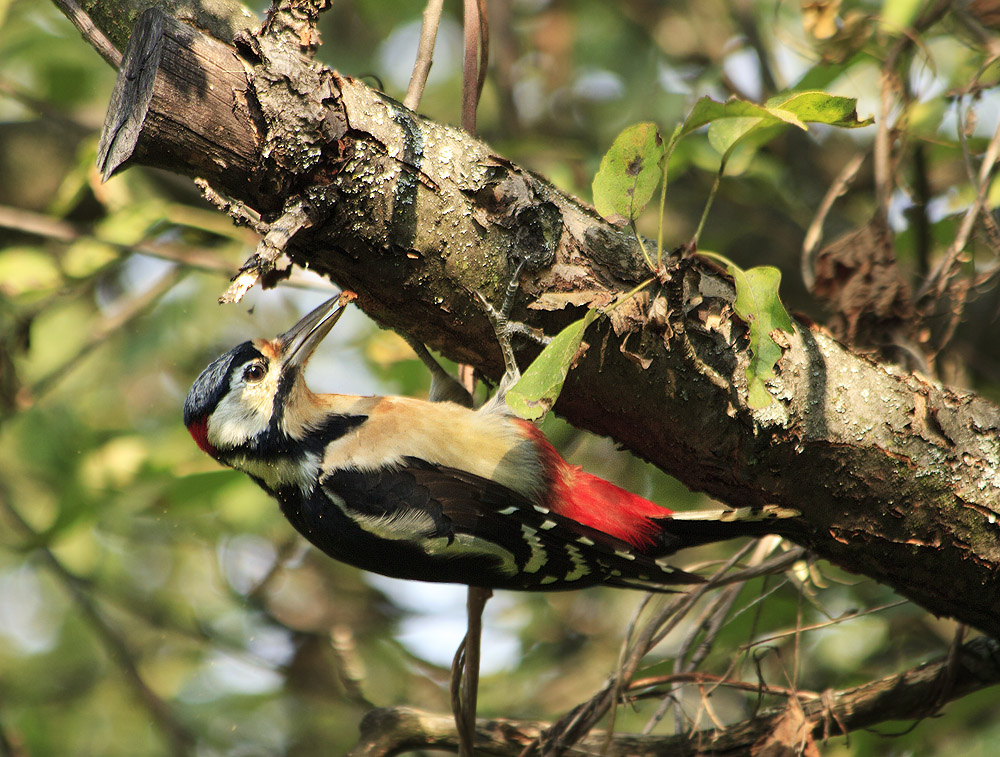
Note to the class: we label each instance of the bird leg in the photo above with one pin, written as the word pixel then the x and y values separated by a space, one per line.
pixel 504 329
pixel 444 386
pixel 465 666
pixel 465 672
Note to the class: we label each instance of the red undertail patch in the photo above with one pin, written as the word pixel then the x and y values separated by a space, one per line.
pixel 594 502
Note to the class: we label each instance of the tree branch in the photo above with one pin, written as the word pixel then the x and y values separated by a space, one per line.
pixel 897 478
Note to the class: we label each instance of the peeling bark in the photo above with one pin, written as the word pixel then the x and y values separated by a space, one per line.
pixel 897 478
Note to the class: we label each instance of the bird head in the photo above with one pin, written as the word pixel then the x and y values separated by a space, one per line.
pixel 240 401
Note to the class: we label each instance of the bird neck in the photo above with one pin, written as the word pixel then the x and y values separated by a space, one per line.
pixel 288 453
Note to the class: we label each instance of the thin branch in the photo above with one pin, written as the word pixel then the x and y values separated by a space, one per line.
pixel 904 696
pixel 644 688
pixel 825 623
pixel 476 56
pixel 350 667
pixel 815 232
pixel 90 32
pixel 106 328
pixel 46 110
pixel 465 669
pixel 579 721
pixel 425 53
pixel 938 280
pixel 46 227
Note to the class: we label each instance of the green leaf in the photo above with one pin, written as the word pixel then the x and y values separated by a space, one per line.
pixel 539 387
pixel 731 122
pixel 707 110
pixel 820 108
pixel 758 304
pixel 629 174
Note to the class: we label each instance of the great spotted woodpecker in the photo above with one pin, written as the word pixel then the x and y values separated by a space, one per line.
pixel 434 491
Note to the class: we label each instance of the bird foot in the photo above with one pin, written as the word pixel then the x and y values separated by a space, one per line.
pixel 504 329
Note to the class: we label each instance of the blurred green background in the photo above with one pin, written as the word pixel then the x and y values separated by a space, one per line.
pixel 152 603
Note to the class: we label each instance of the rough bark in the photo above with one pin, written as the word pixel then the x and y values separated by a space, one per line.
pixel 222 19
pixel 897 477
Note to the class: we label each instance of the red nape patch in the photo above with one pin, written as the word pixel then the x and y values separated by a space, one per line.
pixel 594 502
pixel 199 432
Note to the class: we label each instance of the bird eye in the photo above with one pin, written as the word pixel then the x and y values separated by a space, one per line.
pixel 254 372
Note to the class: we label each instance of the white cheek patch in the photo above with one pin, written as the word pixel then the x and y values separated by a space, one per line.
pixel 243 412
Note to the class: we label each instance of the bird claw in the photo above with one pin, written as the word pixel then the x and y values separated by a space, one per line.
pixel 504 329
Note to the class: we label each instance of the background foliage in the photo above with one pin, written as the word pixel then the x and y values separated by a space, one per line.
pixel 153 603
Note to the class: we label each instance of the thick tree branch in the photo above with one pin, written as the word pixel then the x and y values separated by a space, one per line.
pixel 897 478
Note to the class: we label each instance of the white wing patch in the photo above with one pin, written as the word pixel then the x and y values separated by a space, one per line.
pixel 408 525
pixel 414 527
pixel 462 545
pixel 538 555
pixel 580 568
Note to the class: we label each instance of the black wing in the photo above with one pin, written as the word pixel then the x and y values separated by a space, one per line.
pixel 433 523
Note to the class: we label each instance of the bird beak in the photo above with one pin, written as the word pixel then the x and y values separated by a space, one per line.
pixel 299 342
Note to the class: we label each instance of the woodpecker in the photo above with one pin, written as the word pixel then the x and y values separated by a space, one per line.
pixel 436 491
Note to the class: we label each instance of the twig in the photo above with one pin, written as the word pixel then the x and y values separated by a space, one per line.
pixel 938 280
pixel 90 32
pixel 470 680
pixel 891 79
pixel 579 721
pixel 425 53
pixel 824 624
pixel 897 697
pixel 815 232
pixel 644 688
pixel 350 667
pixel 710 622
pixel 202 260
pixel 106 328
pixel 45 109
pixel 476 56
pixel 241 213
pixel 295 217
